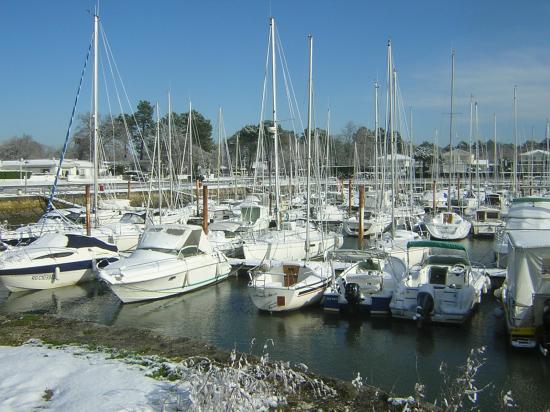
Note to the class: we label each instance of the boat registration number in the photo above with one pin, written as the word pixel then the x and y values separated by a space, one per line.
pixel 46 276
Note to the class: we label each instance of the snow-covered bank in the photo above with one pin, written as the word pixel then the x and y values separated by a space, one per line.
pixel 71 378
pixel 85 362
pixel 76 378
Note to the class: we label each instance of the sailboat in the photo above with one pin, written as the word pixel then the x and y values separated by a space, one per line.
pixel 291 240
pixel 291 286
pixel 449 225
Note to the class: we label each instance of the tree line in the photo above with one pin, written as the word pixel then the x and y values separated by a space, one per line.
pixel 127 139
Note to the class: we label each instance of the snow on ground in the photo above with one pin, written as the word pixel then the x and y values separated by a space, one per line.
pixel 38 376
pixel 74 379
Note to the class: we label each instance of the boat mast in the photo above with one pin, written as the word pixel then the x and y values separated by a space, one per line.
pixel 170 149
pixel 412 176
pixel 327 157
pixel 515 167
pixel 159 168
pixel 451 129
pixel 376 127
pixel 309 121
pixel 237 163
pixel 219 148
pixel 95 116
pixel 478 183
pixel 470 143
pixel 495 157
pixel 391 79
pixel 274 129
pixel 190 123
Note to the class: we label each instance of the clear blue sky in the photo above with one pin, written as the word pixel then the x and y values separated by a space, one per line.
pixel 213 53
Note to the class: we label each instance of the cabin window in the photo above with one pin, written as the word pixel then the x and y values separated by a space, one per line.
pixel 176 232
pixel 369 264
pixel 545 269
pixel 438 275
pixel 132 218
pixel 55 255
pixel 188 251
pixel 492 215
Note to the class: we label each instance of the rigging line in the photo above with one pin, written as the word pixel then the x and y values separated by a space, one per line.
pixel 260 145
pixel 282 57
pixel 68 134
pixel 111 62
pixel 127 128
pixel 110 52
pixel 110 116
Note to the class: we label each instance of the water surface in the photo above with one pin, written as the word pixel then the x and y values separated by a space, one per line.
pixel 391 354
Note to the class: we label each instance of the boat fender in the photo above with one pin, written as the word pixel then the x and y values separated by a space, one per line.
pixel 56 273
pixel 353 293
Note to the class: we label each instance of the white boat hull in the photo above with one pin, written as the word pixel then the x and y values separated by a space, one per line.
pixel 45 280
pixel 169 280
pixel 285 299
pixel 448 232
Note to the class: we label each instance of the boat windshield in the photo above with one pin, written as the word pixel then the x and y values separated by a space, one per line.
pixel 448 260
pixel 162 250
pixel 132 218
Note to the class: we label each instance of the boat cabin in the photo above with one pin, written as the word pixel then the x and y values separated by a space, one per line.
pixel 485 215
pixel 179 240
pixel 448 218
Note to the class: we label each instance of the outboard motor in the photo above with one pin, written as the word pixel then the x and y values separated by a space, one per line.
pixel 424 303
pixel 353 294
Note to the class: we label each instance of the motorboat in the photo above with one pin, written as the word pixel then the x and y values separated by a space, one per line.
pixel 525 214
pixel 224 236
pixel 487 221
pixel 444 288
pixel 288 286
pixel 54 260
pixel 366 287
pixel 169 260
pixel 448 226
pixel 525 294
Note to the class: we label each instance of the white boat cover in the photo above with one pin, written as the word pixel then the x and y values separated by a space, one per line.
pixel 175 237
pixel 52 240
pixel 224 226
pixel 528 272
pixel 529 216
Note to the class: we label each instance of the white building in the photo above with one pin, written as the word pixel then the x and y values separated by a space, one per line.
pixel 46 169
